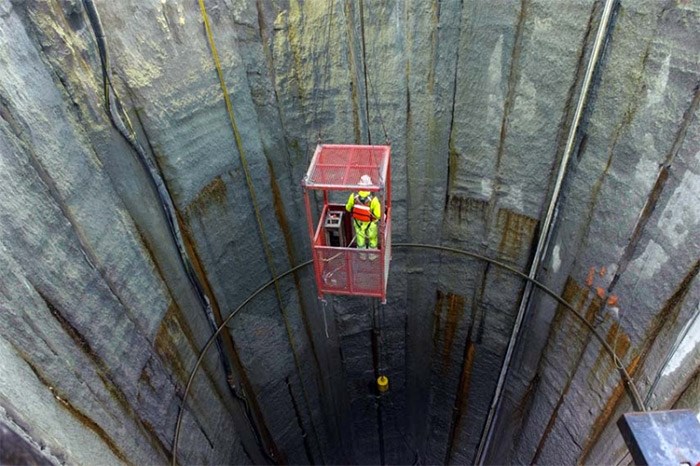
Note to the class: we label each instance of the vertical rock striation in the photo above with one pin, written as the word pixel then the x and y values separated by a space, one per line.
pixel 101 326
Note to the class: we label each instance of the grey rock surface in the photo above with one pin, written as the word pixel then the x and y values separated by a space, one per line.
pixel 101 326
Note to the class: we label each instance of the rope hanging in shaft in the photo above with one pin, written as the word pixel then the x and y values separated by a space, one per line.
pixel 326 74
pixel 369 88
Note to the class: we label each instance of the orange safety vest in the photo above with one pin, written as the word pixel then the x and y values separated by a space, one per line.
pixel 361 211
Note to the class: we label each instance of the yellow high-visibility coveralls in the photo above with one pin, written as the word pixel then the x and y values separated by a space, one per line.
pixel 365 229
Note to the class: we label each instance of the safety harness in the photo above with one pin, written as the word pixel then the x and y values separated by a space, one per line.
pixel 361 211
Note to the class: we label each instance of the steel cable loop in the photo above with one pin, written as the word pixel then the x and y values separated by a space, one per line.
pixel 256 208
pixel 634 394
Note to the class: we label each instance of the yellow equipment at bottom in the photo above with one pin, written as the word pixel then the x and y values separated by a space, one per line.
pixel 382 383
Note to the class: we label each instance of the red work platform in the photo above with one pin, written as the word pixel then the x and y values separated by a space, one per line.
pixel 340 267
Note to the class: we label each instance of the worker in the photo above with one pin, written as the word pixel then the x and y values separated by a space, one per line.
pixel 366 211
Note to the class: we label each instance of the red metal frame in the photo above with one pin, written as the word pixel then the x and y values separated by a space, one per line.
pixel 348 270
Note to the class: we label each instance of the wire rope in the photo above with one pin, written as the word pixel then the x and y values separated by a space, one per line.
pixel 369 88
pixel 326 74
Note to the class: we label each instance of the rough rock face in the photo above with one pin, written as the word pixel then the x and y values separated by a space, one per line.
pixel 101 325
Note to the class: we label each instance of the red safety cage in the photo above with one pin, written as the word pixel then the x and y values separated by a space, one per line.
pixel 339 266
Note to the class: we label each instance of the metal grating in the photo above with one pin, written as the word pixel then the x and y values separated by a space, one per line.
pixel 333 270
pixel 341 166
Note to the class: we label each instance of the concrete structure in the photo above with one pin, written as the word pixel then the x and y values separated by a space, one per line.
pixel 101 325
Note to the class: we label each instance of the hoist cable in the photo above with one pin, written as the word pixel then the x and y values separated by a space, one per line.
pixel 258 217
pixel 369 87
pixel 326 74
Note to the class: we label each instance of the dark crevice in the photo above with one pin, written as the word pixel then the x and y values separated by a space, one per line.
pixel 453 155
pixel 75 412
pixel 509 103
pixel 300 423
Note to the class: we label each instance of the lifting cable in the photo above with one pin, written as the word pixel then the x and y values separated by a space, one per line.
pixel 629 383
pixel 326 74
pixel 368 84
pixel 256 208
pixel 120 119
pixel 369 88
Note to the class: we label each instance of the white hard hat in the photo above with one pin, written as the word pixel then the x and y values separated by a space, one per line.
pixel 365 180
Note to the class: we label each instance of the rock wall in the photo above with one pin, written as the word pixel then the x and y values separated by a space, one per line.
pixel 103 325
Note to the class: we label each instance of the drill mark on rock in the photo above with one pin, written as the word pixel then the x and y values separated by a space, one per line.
pixel 575 295
pixel 452 165
pixel 585 337
pixel 294 35
pixel 452 168
pixel 353 71
pixel 509 104
pixel 605 415
pixel 478 308
pixel 522 410
pixel 434 43
pixel 437 319
pixel 455 309
pixel 72 332
pixel 688 390
pixel 177 325
pixel 165 343
pixel 579 74
pixel 668 314
pixel 172 327
pixel 102 371
pixel 658 188
pixel 17 124
pixel 281 216
pixel 624 124
pixel 448 311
